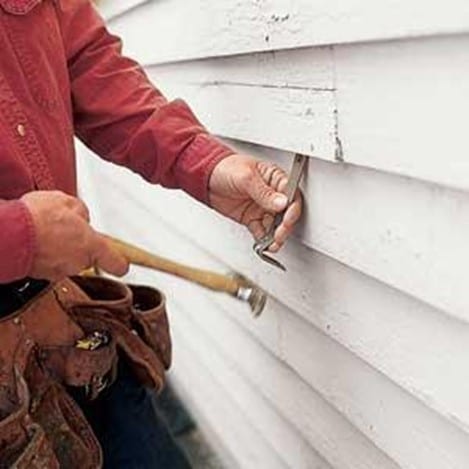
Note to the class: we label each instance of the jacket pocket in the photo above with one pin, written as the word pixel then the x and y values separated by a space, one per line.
pixel 19 7
pixel 34 34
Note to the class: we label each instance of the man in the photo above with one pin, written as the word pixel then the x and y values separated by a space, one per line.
pixel 62 73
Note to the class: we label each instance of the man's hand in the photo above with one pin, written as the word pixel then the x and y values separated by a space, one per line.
pixel 66 243
pixel 251 193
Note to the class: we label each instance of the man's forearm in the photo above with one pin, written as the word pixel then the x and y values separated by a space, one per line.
pixel 124 118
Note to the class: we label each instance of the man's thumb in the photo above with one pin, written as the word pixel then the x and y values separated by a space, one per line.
pixel 109 259
pixel 266 196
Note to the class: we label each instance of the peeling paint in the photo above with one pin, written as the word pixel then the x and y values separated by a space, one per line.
pixel 339 153
pixel 258 85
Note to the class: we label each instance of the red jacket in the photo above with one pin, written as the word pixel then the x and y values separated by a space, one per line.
pixel 62 73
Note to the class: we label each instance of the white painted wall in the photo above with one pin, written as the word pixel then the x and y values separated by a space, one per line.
pixel 361 359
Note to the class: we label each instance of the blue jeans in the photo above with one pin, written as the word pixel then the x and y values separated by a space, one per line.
pixel 131 434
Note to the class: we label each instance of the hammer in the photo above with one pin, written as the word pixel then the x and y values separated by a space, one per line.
pixel 234 284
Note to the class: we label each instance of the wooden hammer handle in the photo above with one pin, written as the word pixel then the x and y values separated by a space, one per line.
pixel 208 279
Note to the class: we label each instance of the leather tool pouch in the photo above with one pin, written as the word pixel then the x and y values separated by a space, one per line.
pixel 72 334
pixel 134 316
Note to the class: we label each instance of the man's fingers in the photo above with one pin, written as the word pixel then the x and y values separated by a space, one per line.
pixel 274 248
pixel 260 226
pixel 273 175
pixel 256 228
pixel 293 213
pixel 291 217
pixel 282 185
pixel 264 195
pixel 109 259
pixel 281 234
pixel 267 187
pixel 267 221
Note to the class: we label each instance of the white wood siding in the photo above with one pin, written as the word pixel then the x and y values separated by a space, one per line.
pixel 166 31
pixel 361 358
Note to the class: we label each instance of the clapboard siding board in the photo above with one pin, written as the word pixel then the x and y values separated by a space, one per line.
pixel 222 365
pixel 109 9
pixel 296 120
pixel 311 68
pixel 273 99
pixel 384 415
pixel 285 441
pixel 177 30
pixel 215 434
pixel 245 444
pixel 319 95
pixel 415 364
pixel 382 411
pixel 349 306
pixel 402 107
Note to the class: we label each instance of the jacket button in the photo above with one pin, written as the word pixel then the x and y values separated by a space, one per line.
pixel 21 130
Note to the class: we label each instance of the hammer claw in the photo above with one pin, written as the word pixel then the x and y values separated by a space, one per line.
pixel 259 250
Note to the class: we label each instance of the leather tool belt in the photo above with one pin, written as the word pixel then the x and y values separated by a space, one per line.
pixel 71 335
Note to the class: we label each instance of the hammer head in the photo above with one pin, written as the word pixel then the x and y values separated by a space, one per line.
pixel 250 293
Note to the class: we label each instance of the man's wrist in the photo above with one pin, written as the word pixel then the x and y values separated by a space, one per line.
pixel 196 164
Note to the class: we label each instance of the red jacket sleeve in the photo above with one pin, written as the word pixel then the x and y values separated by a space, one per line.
pixel 120 115
pixel 17 241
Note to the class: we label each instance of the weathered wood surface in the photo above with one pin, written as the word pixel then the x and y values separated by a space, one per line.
pixel 305 100
pixel 245 444
pixel 285 441
pixel 297 120
pixel 399 231
pixel 222 364
pixel 319 423
pixel 374 321
pixel 168 31
pixel 365 396
pixel 402 107
pixel 360 361
pixel 277 100
pixel 110 9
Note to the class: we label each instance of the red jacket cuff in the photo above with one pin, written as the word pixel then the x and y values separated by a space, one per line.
pixel 17 241
pixel 196 164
